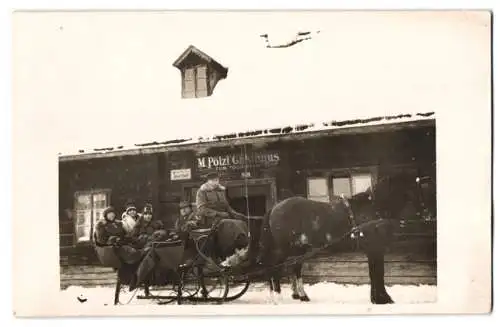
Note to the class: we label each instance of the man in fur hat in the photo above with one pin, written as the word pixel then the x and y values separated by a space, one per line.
pixel 212 204
pixel 187 219
pixel 212 207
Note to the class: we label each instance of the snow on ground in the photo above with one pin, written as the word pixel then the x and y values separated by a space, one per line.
pixel 320 293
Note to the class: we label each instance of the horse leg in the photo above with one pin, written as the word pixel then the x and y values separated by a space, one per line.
pixel 378 292
pixel 277 286
pixel 274 287
pixel 302 295
pixel 271 290
pixel 295 292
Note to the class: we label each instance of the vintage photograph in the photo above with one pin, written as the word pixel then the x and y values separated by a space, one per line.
pixel 249 158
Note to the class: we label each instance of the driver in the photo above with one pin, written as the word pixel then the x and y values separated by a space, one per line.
pixel 212 207
pixel 212 204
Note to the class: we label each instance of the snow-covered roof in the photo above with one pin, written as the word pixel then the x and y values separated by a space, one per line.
pixel 116 78
pixel 348 126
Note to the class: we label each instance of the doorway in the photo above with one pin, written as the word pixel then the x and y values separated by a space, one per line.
pixel 256 205
pixel 260 197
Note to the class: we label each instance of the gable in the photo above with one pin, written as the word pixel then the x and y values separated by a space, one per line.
pixel 200 73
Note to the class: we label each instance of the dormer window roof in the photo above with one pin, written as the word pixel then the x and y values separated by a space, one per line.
pixel 200 73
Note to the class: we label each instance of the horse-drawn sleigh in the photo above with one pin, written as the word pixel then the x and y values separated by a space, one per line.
pixel 294 230
pixel 181 273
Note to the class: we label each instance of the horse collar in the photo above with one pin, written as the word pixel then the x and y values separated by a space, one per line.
pixel 349 209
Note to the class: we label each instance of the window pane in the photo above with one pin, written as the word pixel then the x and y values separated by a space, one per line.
pixel 201 72
pixel 317 187
pixel 201 86
pixel 98 214
pixel 83 233
pixel 189 86
pixel 189 74
pixel 361 183
pixel 83 217
pixel 83 202
pixel 202 93
pixel 188 94
pixel 201 77
pixel 99 200
pixel 342 186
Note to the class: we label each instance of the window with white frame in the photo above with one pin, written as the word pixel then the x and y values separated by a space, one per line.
pixel 317 189
pixel 351 184
pixel 195 82
pixel 337 184
pixel 89 207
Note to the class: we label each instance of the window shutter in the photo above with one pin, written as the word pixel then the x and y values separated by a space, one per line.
pixel 83 208
pixel 189 83
pixel 99 204
pixel 201 81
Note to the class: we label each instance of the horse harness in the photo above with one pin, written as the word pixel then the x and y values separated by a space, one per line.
pixel 355 230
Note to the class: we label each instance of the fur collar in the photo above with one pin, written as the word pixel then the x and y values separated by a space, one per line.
pixel 208 187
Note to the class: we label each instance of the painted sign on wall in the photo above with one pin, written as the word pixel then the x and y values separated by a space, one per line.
pixel 237 161
pixel 180 174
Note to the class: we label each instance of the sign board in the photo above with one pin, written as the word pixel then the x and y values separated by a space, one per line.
pixel 237 161
pixel 180 174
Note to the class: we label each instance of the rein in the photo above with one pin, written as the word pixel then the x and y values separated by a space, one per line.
pixel 296 259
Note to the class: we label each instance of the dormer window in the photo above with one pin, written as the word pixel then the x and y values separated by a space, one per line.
pixel 200 73
pixel 195 82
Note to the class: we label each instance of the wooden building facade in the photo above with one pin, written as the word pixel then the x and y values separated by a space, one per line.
pixel 314 164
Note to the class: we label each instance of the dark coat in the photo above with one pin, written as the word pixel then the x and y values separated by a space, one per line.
pixel 143 231
pixel 185 223
pixel 108 233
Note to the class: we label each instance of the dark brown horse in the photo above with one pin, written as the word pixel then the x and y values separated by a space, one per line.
pixel 296 226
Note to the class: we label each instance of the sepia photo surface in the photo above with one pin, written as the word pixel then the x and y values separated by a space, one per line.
pixel 316 162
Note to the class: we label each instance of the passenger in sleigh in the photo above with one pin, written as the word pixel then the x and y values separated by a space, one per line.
pixel 110 231
pixel 146 232
pixel 129 218
pixel 188 219
pixel 145 227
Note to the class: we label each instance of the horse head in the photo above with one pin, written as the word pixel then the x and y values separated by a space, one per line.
pixel 360 208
